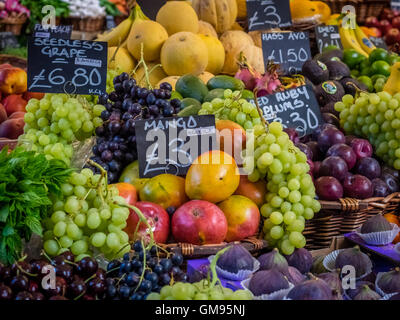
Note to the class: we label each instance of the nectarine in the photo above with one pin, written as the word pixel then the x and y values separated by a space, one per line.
pixel 13 80
pixel 3 113
pixel 14 103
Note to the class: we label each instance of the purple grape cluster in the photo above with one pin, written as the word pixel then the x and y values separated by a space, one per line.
pixel 124 280
pixel 116 141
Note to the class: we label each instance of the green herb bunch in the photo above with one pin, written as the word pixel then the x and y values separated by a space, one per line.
pixel 27 182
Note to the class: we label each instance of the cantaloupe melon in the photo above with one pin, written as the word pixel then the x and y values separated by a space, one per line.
pixel 178 16
pixel 207 29
pixel 172 80
pixel 234 42
pixel 184 53
pixel 216 54
pixel 155 76
pixel 256 36
pixel 123 60
pixel 149 33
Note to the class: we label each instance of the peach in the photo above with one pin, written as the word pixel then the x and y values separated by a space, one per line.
pixel 14 103
pixel 12 128
pixel 32 95
pixel 255 191
pixel 17 115
pixel 13 80
pixel 3 113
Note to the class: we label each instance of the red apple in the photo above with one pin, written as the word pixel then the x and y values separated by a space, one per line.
pixel 243 217
pixel 14 103
pixel 156 216
pixel 199 222
pixel 396 22
pixel 385 26
pixel 12 128
pixel 372 22
pixel 392 35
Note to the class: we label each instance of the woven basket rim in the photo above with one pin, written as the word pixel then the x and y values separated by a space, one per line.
pixel 14 20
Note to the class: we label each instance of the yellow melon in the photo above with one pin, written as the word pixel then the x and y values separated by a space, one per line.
pixel 184 53
pixel 123 60
pixel 256 36
pixel 178 16
pixel 172 80
pixel 205 76
pixel 216 54
pixel 149 33
pixel 207 29
pixel 234 42
pixel 157 74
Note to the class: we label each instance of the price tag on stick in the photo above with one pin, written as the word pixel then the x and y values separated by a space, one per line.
pixel 67 66
pixel 289 49
pixel 268 14
pixel 63 32
pixel 295 108
pixel 170 145
pixel 328 36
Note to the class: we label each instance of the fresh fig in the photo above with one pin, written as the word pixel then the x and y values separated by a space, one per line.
pixel 351 293
pixel 376 224
pixel 354 257
pixel 294 276
pixel 367 294
pixel 318 265
pixel 389 282
pixel 273 260
pixel 300 259
pixel 334 282
pixel 267 282
pixel 315 289
pixel 235 259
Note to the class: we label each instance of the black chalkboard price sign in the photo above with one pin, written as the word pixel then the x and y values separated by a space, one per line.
pixel 328 36
pixel 289 49
pixel 170 145
pixel 151 7
pixel 110 22
pixel 295 108
pixel 268 14
pixel 70 66
pixel 379 42
pixel 63 32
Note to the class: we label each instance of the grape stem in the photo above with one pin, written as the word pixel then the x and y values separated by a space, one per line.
pixel 213 267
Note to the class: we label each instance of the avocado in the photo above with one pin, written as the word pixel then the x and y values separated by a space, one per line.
pixel 189 86
pixel 315 71
pixel 189 102
pixel 225 82
pixel 351 85
pixel 337 70
pixel 215 93
pixel 329 91
pixel 191 110
pixel 335 54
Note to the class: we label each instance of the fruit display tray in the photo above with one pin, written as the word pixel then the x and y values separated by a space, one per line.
pixel 387 252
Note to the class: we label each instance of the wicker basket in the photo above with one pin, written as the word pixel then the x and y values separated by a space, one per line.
pixel 13 24
pixel 364 8
pixel 14 61
pixel 91 24
pixel 188 250
pixel 344 216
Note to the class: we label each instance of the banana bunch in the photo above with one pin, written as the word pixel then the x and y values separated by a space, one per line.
pixel 118 36
pixel 355 39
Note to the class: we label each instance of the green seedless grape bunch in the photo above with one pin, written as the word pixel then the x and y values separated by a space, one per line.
pixel 87 217
pixel 376 117
pixel 290 200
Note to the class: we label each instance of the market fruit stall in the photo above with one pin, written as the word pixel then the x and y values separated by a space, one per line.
pixel 200 155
